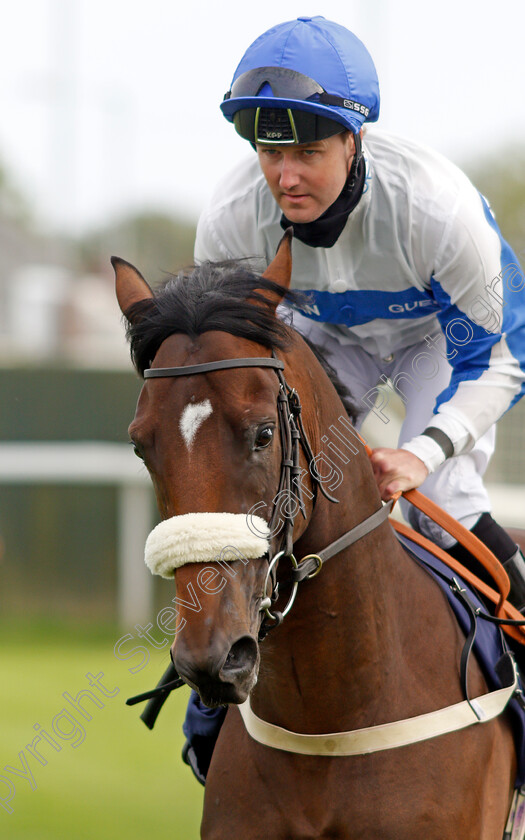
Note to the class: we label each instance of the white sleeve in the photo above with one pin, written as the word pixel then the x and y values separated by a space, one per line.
pixel 208 244
pixel 481 290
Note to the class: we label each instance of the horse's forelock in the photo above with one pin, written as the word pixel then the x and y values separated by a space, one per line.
pixel 214 296
pixel 217 296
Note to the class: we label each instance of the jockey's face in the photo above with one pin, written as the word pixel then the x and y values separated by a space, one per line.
pixel 306 179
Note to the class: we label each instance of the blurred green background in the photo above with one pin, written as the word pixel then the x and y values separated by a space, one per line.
pixel 122 780
pixel 59 581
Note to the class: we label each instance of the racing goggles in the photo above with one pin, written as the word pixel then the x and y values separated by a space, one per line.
pixel 288 84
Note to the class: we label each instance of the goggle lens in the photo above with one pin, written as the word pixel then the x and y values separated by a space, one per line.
pixel 285 84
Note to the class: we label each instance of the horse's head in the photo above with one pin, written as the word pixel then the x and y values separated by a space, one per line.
pixel 212 442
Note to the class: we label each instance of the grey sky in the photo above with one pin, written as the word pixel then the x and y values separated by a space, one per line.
pixel 112 105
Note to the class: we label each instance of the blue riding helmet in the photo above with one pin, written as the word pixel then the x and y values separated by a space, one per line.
pixel 301 81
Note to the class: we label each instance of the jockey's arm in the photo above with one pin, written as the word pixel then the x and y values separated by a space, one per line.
pixel 480 287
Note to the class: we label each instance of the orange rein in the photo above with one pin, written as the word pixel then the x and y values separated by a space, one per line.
pixel 469 541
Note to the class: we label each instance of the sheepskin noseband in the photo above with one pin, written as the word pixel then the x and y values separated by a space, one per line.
pixel 203 538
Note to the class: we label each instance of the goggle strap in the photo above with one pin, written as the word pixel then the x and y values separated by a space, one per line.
pixel 327 99
pixel 340 102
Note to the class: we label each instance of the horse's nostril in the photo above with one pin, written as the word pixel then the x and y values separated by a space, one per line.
pixel 242 655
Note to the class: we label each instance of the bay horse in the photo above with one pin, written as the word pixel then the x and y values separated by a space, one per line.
pixel 370 640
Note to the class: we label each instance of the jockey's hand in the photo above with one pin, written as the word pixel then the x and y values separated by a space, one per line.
pixel 396 469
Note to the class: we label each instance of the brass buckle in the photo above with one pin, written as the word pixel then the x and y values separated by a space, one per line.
pixel 319 564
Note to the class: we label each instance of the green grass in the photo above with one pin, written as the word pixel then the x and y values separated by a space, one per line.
pixel 122 781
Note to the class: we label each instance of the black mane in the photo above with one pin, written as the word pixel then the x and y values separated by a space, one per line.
pixel 217 296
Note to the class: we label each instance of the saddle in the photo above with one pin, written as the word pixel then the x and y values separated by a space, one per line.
pixel 505 613
pixel 483 638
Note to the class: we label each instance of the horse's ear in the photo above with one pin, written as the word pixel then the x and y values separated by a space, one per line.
pixel 280 268
pixel 130 285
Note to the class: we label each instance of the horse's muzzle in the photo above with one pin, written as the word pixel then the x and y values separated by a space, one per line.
pixel 221 679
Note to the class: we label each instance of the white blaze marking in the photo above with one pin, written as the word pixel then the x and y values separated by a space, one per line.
pixel 192 418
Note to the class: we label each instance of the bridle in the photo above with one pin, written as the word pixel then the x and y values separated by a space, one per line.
pixel 289 499
pixel 293 438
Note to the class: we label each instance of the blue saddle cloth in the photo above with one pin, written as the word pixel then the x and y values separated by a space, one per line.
pixel 489 644
pixel 202 725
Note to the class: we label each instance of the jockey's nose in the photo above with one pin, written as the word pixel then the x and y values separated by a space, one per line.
pixel 289 174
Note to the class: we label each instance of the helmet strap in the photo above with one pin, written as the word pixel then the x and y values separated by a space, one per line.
pixel 350 184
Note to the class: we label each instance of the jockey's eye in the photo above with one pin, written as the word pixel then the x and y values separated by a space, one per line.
pixel 263 437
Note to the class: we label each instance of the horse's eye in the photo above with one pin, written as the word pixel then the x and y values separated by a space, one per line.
pixel 264 437
pixel 136 450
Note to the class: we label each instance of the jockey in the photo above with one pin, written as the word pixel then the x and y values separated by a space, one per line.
pixel 408 278
pixel 410 284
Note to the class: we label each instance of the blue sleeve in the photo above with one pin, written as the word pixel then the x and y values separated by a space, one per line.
pixel 494 314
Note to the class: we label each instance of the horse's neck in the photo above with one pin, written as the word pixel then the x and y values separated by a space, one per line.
pixel 339 640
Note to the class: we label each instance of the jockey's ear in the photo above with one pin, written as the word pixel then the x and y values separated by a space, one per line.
pixel 280 268
pixel 130 285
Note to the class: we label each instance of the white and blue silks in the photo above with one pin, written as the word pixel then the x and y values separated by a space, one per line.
pixel 420 253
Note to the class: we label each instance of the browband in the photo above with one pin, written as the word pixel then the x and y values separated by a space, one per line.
pixel 153 373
